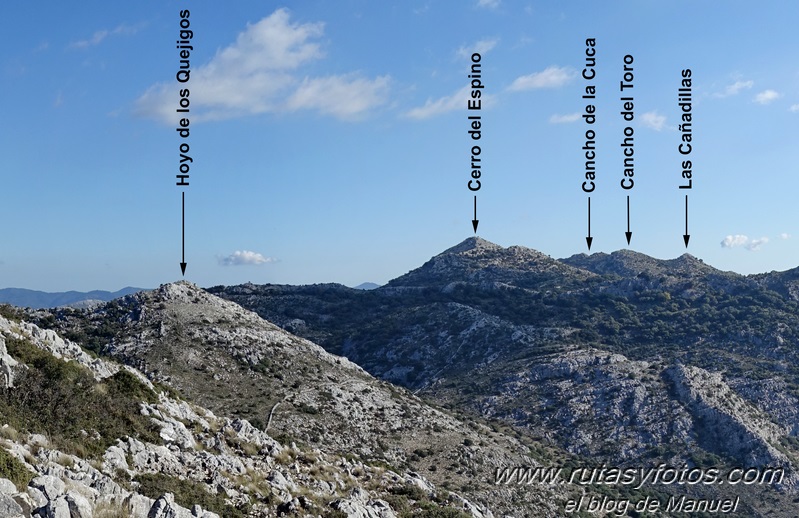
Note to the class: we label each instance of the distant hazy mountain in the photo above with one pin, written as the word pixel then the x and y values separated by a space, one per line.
pixel 41 299
pixel 367 286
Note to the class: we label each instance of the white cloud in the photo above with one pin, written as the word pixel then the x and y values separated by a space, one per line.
pixel 96 39
pixel 794 108
pixel 552 77
pixel 258 73
pixel 767 96
pixel 733 241
pixel 653 121
pixel 564 119
pixel 734 88
pixel 488 4
pixel 744 241
pixel 345 96
pixel 431 108
pixel 481 47
pixel 785 235
pixel 245 257
pixel 99 36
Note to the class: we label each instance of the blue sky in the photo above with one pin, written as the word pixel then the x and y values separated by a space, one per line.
pixel 329 138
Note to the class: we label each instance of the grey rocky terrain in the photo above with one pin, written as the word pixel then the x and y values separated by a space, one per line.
pixel 330 439
pixel 484 358
pixel 620 358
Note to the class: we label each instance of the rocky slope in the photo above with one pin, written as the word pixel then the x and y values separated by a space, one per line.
pixel 342 435
pixel 622 358
pixel 785 283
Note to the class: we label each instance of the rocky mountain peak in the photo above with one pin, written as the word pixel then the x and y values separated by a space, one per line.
pixel 185 301
pixel 628 263
pixel 475 243
pixel 478 260
pixel 179 290
pixel 688 259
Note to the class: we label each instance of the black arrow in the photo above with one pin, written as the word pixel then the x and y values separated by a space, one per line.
pixel 475 221
pixel 183 234
pixel 589 239
pixel 628 233
pixel 686 236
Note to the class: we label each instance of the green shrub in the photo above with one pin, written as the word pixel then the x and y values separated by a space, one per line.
pixel 307 409
pixel 61 399
pixel 11 313
pixel 435 511
pixel 125 384
pixel 410 491
pixel 14 470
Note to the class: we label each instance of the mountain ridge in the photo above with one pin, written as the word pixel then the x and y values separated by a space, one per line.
pixel 618 357
pixel 525 359
pixel 478 260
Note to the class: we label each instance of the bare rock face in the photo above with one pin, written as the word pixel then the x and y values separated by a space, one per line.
pixel 9 508
pixel 37 497
pixel 7 487
pixel 51 487
pixel 8 366
pixel 732 426
pixel 50 341
pixel 165 507
pixel 773 397
pixel 138 505
pixel 358 505
pixel 79 506
pixel 594 402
